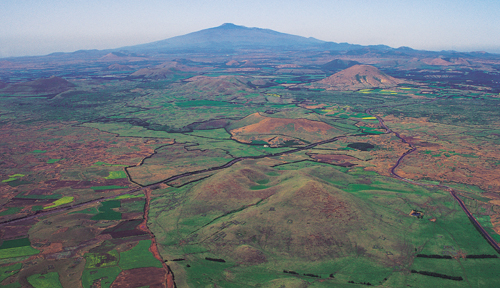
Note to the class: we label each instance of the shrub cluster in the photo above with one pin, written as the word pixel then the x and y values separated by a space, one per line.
pixel 215 259
pixel 439 275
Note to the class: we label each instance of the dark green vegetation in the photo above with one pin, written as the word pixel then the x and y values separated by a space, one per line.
pixel 245 175
pixel 106 211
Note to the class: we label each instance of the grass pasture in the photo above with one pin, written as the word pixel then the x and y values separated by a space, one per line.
pixel 107 276
pixel 106 212
pixel 11 211
pixel 48 280
pixel 109 187
pixel 138 257
pixel 116 175
pixel 18 252
pixel 101 260
pixel 7 271
pixel 59 202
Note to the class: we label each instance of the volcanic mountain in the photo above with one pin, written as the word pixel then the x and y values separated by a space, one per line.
pixel 52 85
pixel 358 77
pixel 294 214
pixel 228 36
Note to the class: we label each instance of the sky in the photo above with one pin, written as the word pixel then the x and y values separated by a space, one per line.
pixel 34 27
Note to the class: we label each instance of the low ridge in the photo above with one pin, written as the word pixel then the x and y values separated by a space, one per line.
pixel 50 85
pixel 359 77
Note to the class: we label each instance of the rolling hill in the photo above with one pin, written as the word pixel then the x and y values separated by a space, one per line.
pixel 52 85
pixel 358 77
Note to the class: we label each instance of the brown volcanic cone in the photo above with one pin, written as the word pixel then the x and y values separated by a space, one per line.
pixel 52 85
pixel 359 77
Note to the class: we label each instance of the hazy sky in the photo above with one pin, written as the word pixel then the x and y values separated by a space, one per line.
pixel 35 27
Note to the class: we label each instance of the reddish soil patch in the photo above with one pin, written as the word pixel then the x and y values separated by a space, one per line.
pixel 55 247
pixel 62 230
pixel 267 125
pixel 152 277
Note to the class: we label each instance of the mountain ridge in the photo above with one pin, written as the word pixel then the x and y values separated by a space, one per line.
pixel 229 38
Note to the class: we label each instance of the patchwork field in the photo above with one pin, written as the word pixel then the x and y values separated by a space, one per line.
pixel 249 170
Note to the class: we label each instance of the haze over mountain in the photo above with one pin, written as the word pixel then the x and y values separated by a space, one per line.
pixel 229 35
pixel 228 38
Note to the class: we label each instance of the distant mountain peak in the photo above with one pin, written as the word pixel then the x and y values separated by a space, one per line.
pixel 230 26
pixel 230 36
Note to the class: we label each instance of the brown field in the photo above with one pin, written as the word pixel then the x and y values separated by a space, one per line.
pixel 304 129
pixel 78 147
pixel 139 277
pixel 340 160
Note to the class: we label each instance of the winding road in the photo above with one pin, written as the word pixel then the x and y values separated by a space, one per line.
pixel 453 193
pixel 170 282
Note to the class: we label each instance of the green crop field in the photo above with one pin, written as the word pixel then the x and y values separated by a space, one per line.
pixel 18 252
pixel 49 280
pixel 106 212
pixel 10 211
pixel 59 202
pixel 108 275
pixel 116 175
pixel 101 260
pixel 289 167
pixel 9 270
pixel 138 257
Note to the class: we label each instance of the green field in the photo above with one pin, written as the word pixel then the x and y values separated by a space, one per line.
pixel 7 271
pixel 101 260
pixel 116 175
pixel 138 257
pixel 106 212
pixel 10 211
pixel 62 201
pixel 108 275
pixel 49 280
pixel 18 252
pixel 255 201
